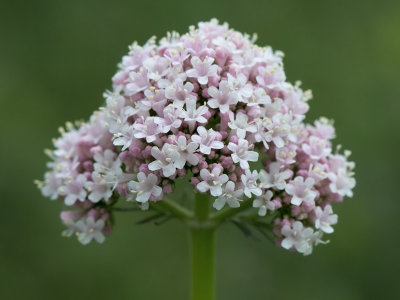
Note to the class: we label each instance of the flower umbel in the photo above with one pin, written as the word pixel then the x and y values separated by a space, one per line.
pixel 215 107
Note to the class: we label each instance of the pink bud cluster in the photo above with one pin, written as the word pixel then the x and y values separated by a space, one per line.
pixel 212 104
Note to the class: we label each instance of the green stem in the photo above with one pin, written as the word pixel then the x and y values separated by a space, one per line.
pixel 176 209
pixel 202 250
pixel 135 208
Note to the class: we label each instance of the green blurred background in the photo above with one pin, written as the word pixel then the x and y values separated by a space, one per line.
pixel 57 58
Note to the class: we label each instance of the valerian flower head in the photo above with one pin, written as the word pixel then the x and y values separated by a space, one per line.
pixel 213 105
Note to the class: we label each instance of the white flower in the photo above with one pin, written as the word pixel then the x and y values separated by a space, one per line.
pixel 242 154
pixel 207 140
pixel 109 166
pixel 69 219
pixel 324 129
pixel 116 112
pixel 270 75
pixel 171 120
pixel 316 148
pixel 240 86
pixel 261 132
pixel 286 154
pixel 156 67
pixel 258 97
pixel 149 130
pixel 124 137
pixel 240 125
pixel 134 60
pixel 145 187
pixel 141 108
pixel 186 152
pixel 173 75
pixel 274 178
pixel 155 100
pixel 165 159
pixel 65 169
pixel 275 130
pixel 192 114
pixel 74 190
pixel 342 183
pixel 50 186
pixel 222 97
pixel 249 180
pixel 229 196
pixel 278 129
pixel 117 120
pixel 90 229
pixel 179 92
pixel 325 218
pixel 104 160
pixel 138 82
pixel 202 69
pixel 98 188
pixel 318 172
pixel 212 181
pixel 264 203
pixel 300 190
pixel 302 238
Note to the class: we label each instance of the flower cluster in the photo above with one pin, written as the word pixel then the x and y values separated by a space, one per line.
pixel 213 104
